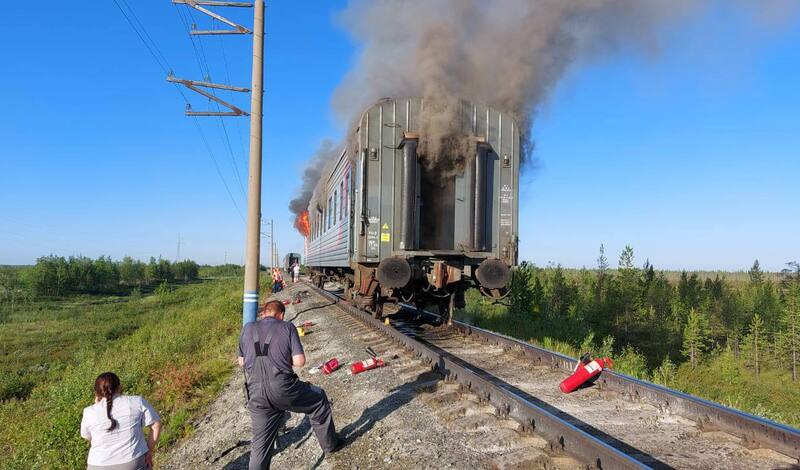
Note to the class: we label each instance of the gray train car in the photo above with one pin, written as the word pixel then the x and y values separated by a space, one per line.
pixel 329 243
pixel 391 227
pixel 290 259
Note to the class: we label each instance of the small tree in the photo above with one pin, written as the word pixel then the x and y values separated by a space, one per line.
pixel 791 325
pixel 755 344
pixel 602 274
pixel 629 290
pixel 631 362
pixel 728 365
pixel 756 274
pixel 695 336
pixel 665 373
pixel 520 289
pixel 606 348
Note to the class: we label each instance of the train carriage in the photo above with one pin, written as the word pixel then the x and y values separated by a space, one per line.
pixel 290 259
pixel 391 226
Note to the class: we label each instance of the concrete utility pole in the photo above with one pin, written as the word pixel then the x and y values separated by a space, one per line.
pixel 253 246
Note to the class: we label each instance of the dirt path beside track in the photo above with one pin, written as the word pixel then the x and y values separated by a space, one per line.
pixel 387 416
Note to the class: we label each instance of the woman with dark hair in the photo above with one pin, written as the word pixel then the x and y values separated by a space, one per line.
pixel 114 426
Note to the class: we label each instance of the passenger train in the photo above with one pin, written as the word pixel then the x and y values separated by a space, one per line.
pixel 392 227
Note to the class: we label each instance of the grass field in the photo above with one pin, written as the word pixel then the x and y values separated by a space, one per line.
pixel 175 347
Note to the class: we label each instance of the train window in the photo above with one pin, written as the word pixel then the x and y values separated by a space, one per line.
pixel 347 190
pixel 335 205
pixel 330 206
pixel 342 204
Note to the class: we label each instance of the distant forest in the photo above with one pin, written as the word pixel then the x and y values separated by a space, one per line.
pixel 57 276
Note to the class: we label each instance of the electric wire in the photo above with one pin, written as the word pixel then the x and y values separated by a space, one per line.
pixel 146 33
pixel 187 19
pixel 228 78
pixel 164 65
pixel 227 140
pixel 146 44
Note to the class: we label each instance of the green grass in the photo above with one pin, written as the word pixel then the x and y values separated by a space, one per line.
pixel 175 348
pixel 723 379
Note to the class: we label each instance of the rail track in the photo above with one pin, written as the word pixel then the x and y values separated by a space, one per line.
pixel 620 422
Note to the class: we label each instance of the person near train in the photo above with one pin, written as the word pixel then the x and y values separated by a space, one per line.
pixel 114 427
pixel 269 349
pixel 296 272
pixel 277 280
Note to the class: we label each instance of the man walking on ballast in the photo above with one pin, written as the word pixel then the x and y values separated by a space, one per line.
pixel 268 349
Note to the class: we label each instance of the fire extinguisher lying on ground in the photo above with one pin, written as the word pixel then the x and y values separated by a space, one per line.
pixel 371 363
pixel 586 370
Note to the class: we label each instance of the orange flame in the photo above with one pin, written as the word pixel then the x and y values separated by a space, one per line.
pixel 302 224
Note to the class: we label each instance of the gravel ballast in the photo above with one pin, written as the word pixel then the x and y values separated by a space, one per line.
pixel 398 416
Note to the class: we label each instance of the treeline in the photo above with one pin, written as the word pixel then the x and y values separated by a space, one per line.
pixel 222 270
pixel 56 276
pixel 654 323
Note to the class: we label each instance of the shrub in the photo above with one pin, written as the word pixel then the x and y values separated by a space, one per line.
pixel 14 386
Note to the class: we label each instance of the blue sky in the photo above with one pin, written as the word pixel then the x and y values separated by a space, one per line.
pixel 691 156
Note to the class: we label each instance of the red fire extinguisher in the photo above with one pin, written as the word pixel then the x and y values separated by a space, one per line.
pixel 330 366
pixel 586 370
pixel 369 364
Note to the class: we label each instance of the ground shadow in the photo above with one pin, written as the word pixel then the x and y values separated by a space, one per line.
pixel 292 437
pixel 395 399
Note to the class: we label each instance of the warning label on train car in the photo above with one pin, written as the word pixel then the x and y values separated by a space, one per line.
pixel 385 237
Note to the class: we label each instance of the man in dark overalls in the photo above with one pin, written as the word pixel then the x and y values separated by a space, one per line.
pixel 268 349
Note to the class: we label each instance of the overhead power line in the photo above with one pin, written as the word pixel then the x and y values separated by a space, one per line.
pixel 188 21
pixel 152 47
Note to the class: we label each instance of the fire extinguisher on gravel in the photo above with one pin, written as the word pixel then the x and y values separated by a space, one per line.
pixel 585 371
pixel 369 364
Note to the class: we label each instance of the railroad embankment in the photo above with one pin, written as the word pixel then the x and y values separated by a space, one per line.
pixel 400 416
pixel 174 348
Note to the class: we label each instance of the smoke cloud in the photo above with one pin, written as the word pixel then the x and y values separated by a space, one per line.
pixel 326 154
pixel 509 54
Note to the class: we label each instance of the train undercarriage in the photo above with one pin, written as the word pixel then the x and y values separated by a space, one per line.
pixel 419 281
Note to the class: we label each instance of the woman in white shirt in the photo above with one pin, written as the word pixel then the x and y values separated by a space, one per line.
pixel 114 426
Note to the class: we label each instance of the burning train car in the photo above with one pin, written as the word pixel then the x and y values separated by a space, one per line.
pixel 392 224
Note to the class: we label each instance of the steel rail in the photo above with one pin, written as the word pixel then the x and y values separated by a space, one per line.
pixel 562 435
pixel 709 415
